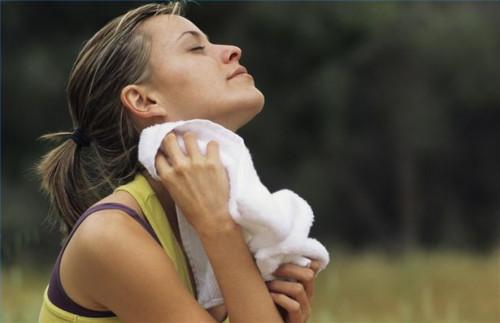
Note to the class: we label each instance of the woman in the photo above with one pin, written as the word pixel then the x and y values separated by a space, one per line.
pixel 122 259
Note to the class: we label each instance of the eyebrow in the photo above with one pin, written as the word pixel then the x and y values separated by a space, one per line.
pixel 193 33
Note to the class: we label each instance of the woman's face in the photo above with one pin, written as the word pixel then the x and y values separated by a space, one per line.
pixel 193 78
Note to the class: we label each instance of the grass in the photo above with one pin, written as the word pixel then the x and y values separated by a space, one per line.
pixel 370 287
pixel 417 287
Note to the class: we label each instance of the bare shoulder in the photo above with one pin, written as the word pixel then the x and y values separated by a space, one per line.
pixel 111 227
pixel 96 246
pixel 113 263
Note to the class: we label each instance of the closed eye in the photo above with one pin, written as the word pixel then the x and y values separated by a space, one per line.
pixel 197 48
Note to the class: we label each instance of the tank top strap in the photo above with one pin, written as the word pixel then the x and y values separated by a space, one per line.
pixel 115 206
pixel 56 293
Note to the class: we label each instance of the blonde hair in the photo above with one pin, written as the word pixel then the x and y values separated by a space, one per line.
pixel 76 176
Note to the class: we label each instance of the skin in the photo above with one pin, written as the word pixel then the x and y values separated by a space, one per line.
pixel 130 276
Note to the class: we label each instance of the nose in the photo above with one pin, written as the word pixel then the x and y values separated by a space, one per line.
pixel 231 53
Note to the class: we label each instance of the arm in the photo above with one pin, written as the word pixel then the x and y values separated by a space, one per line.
pixel 132 277
pixel 245 293
pixel 198 184
pixel 136 280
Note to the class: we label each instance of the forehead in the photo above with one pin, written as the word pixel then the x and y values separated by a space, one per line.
pixel 164 30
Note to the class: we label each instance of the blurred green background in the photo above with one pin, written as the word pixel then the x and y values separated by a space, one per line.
pixel 385 116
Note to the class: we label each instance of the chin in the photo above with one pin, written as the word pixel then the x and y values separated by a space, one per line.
pixel 241 110
pixel 262 101
pixel 254 102
pixel 251 108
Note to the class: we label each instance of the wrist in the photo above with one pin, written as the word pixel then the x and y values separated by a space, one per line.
pixel 217 227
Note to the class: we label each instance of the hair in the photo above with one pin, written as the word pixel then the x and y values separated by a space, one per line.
pixel 76 176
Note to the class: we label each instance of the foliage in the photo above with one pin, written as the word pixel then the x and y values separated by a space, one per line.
pixel 384 116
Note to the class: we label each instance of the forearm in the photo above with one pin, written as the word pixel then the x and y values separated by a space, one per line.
pixel 245 294
pixel 198 184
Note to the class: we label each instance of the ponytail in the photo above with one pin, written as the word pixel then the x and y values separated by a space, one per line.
pixel 64 180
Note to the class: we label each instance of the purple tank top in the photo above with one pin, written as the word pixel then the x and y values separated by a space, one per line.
pixel 56 293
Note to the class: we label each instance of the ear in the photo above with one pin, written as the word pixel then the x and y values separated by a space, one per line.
pixel 140 102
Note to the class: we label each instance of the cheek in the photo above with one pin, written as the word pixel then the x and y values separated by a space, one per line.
pixel 188 77
pixel 193 90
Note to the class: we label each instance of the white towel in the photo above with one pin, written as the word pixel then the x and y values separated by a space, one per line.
pixel 276 225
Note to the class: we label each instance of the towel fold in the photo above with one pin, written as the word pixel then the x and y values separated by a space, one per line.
pixel 276 225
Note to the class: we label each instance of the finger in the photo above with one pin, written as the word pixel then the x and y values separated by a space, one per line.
pixel 301 274
pixel 171 149
pixel 314 265
pixel 292 307
pixel 213 150
pixel 162 165
pixel 192 145
pixel 293 290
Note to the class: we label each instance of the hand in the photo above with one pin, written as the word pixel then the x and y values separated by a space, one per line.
pixel 294 298
pixel 198 184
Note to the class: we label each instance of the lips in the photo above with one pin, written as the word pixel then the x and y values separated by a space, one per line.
pixel 238 71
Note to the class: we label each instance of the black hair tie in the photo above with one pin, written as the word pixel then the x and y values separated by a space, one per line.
pixel 80 138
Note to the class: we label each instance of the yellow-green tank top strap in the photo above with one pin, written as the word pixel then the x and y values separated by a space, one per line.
pixel 151 207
